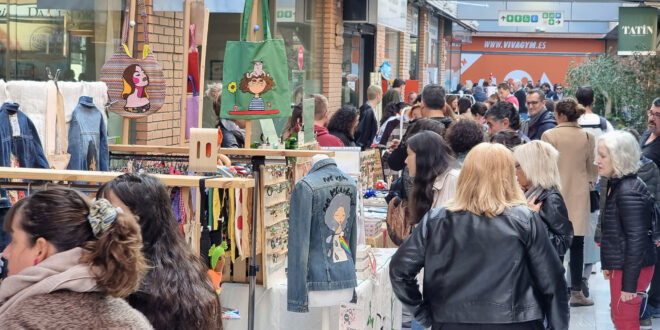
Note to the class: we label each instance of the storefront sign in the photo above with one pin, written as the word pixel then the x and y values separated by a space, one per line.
pixel 392 13
pixel 535 45
pixel 285 14
pixel 215 6
pixel 637 30
pixel 531 18
pixel 300 57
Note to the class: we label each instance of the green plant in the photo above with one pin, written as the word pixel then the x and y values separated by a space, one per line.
pixel 624 86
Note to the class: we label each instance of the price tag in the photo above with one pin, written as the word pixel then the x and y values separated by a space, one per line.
pixel 15 127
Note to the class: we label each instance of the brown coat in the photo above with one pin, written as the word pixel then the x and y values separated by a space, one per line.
pixel 74 310
pixel 576 170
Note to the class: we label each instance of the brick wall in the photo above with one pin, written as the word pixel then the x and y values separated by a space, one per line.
pixel 166 42
pixel 423 47
pixel 331 18
pixel 379 39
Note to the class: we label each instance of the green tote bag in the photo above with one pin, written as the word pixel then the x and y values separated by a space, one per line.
pixel 255 80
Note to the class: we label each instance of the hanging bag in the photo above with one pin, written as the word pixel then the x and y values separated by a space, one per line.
pixel 59 158
pixel 192 108
pixel 255 79
pixel 136 86
pixel 397 227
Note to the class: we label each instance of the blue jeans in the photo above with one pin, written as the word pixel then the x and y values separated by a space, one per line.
pixel 415 326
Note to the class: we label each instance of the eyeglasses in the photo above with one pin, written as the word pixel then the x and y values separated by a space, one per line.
pixel 654 114
pixel 559 89
pixel 533 103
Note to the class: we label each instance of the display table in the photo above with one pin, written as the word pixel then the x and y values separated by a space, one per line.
pixel 375 298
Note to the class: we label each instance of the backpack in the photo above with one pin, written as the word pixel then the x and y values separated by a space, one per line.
pixel 602 125
pixel 397 227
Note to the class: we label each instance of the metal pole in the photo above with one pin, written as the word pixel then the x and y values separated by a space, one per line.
pixel 257 162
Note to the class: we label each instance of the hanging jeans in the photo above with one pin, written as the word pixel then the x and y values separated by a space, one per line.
pixel 625 315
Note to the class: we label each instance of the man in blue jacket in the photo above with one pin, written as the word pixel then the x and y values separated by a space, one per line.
pixel 540 119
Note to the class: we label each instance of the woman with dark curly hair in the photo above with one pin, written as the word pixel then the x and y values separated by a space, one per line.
pixel 462 136
pixel 176 293
pixel 343 124
pixel 464 104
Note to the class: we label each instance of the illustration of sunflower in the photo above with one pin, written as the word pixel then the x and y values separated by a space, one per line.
pixel 232 87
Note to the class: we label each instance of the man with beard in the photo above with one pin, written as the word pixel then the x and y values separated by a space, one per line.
pixel 649 140
pixel 540 119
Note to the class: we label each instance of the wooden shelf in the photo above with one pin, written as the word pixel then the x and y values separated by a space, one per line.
pixel 101 177
pixel 225 151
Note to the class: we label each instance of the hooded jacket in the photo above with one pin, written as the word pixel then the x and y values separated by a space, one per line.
pixel 545 122
pixel 325 139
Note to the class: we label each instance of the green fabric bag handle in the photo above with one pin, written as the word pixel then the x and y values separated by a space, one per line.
pixel 265 17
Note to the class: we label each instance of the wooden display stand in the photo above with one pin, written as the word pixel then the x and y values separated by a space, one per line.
pixel 102 177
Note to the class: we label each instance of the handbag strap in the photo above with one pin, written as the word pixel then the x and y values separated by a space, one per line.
pixel 124 38
pixel 194 88
pixel 265 19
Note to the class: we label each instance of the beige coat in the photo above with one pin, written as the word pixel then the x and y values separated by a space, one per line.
pixel 444 187
pixel 576 170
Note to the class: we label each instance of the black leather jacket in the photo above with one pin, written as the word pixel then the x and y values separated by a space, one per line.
pixel 625 242
pixel 555 216
pixel 481 270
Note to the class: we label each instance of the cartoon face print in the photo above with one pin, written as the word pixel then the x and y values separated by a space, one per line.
pixel 335 219
pixel 140 78
pixel 340 217
pixel 256 85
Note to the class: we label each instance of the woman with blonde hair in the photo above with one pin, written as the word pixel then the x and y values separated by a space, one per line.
pixel 538 176
pixel 487 259
pixel 578 174
pixel 627 251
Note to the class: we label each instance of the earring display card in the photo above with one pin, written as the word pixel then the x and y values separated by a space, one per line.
pixel 277 191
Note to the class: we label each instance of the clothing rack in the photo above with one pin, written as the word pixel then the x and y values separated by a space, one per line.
pixel 191 181
pixel 258 160
pixel 148 157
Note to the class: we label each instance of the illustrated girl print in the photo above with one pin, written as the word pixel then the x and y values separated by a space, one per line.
pixel 135 89
pixel 335 218
pixel 257 82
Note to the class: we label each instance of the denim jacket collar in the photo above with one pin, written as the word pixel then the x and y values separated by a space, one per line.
pixel 87 101
pixel 322 163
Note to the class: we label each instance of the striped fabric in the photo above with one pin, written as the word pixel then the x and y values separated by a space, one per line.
pixel 112 75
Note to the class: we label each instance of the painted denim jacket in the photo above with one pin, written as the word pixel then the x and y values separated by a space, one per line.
pixel 88 140
pixel 27 147
pixel 322 234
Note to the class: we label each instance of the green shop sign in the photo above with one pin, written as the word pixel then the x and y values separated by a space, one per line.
pixel 638 30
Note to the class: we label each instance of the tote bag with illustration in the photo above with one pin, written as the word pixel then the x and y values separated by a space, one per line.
pixel 136 86
pixel 255 80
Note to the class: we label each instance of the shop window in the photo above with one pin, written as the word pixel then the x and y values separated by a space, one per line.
pixel 413 71
pixel 392 41
pixel 351 70
pixel 434 51
pixel 297 24
pixel 73 36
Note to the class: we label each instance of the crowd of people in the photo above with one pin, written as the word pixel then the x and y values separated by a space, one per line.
pixel 494 203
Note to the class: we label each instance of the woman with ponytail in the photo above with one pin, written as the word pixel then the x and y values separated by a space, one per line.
pixel 177 292
pixel 70 264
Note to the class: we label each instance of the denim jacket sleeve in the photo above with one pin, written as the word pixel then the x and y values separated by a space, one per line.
pixel 40 160
pixel 74 144
pixel 300 230
pixel 404 267
pixel 104 153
